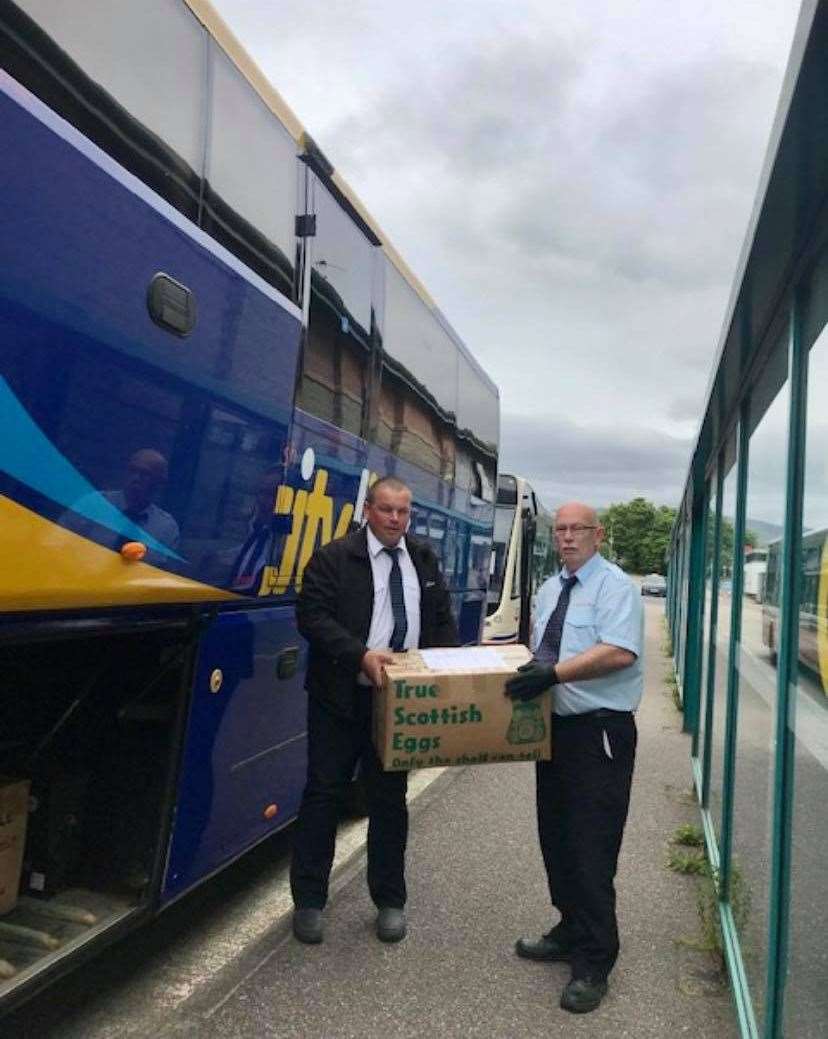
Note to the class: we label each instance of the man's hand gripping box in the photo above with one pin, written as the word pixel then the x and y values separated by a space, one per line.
pixel 447 707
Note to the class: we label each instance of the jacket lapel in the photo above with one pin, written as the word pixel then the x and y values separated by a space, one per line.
pixel 360 593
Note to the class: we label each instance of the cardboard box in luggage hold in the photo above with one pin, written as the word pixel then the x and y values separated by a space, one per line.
pixel 14 811
pixel 447 707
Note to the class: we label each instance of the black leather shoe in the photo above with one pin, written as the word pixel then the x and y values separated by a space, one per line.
pixel 583 994
pixel 391 924
pixel 547 949
pixel 307 925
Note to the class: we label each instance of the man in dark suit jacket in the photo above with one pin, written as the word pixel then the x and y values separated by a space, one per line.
pixel 370 592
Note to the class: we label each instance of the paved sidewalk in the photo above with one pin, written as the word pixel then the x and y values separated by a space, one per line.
pixel 476 883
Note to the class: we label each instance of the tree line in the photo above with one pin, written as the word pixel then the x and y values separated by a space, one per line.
pixel 638 536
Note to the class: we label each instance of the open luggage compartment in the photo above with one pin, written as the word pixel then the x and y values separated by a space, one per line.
pixel 90 724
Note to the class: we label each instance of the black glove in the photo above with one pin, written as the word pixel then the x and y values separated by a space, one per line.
pixel 531 680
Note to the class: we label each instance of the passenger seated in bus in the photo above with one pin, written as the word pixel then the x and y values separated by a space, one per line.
pixel 145 477
pixel 250 559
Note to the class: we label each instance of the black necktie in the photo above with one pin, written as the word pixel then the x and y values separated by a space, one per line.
pixel 395 586
pixel 550 644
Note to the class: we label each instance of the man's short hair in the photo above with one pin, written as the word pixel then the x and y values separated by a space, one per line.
pixel 391 482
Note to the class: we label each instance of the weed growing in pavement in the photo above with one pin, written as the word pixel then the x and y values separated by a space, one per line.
pixel 671 682
pixel 687 853
pixel 708 903
pixel 667 640
pixel 687 862
pixel 670 679
pixel 687 856
pixel 689 835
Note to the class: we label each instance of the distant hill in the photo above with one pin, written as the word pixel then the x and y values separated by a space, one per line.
pixel 764 531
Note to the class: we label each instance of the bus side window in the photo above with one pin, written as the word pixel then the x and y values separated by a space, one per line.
pixel 478 428
pixel 338 346
pixel 417 407
pixel 249 205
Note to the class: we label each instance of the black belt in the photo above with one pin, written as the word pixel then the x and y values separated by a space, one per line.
pixel 601 713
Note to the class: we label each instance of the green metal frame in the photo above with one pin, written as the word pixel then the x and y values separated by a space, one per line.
pixel 695 616
pixel 787 677
pixel 732 717
pixel 710 677
pixel 732 947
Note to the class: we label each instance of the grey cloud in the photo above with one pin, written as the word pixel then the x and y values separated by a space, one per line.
pixel 685 408
pixel 649 187
pixel 482 114
pixel 600 464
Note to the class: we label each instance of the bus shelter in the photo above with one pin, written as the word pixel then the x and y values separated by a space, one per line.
pixel 751 648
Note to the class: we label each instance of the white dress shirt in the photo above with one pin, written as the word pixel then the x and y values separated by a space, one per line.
pixel 382 617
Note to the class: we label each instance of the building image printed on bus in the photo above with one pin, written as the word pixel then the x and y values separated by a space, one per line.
pixel 523 556
pixel 210 350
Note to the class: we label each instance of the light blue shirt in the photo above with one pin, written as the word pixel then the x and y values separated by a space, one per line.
pixel 604 607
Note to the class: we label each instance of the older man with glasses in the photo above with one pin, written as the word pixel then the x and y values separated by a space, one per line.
pixel 587 640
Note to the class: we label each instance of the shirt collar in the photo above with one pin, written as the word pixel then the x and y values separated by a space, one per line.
pixel 375 546
pixel 585 570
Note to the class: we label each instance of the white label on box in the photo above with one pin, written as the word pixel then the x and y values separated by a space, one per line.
pixel 37 881
pixel 470 659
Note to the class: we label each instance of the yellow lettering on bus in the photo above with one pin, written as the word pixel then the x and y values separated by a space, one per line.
pixel 312 513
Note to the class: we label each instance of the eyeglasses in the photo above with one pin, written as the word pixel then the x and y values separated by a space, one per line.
pixel 575 529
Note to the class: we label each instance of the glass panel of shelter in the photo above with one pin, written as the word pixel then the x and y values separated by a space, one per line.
pixel 685 584
pixel 806 1000
pixel 710 541
pixel 756 679
pixel 727 552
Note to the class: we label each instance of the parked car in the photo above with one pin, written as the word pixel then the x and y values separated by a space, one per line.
pixel 653 584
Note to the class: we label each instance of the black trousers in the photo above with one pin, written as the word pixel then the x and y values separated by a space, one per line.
pixel 335 744
pixel 583 796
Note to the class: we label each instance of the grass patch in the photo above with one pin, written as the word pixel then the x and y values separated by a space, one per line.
pixel 689 835
pixel 671 682
pixel 687 855
pixel 708 907
pixel 687 862
pixel 670 679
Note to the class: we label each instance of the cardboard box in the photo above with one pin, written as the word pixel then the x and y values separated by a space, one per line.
pixel 14 811
pixel 447 707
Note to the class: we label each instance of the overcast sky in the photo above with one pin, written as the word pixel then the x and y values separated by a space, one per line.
pixel 572 183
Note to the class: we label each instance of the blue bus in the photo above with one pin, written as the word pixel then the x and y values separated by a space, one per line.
pixel 209 351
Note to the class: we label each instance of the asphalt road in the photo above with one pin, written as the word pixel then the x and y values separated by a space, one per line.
pixel 223 962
